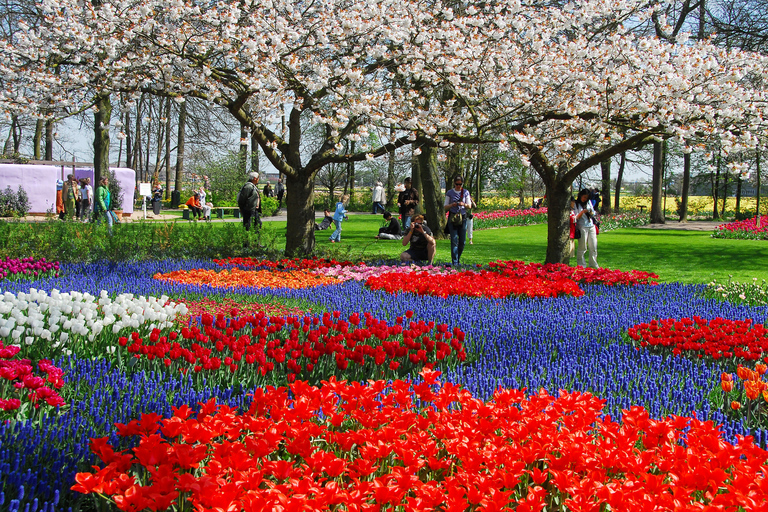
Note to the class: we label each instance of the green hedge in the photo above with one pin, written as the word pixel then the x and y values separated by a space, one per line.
pixel 77 242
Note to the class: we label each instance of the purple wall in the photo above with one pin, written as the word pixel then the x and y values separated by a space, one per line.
pixel 39 181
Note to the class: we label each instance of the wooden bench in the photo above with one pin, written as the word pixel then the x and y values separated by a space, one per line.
pixel 220 211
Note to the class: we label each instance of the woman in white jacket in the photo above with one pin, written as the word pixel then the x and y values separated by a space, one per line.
pixel 584 216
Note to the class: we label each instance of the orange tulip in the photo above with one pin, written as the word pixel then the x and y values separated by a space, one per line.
pixel 735 405
pixel 752 390
pixel 761 368
pixel 726 385
pixel 726 377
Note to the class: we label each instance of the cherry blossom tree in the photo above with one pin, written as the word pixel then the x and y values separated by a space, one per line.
pixel 573 86
pixel 568 86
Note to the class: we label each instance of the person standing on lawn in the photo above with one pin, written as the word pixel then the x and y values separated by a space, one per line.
pixel 86 199
pixel 584 216
pixel 338 217
pixel 249 202
pixel 379 198
pixel 70 196
pixel 457 200
pixel 103 203
pixel 279 192
pixel 408 201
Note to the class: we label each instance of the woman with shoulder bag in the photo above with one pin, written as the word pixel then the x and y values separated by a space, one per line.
pixel 457 200
pixel 584 217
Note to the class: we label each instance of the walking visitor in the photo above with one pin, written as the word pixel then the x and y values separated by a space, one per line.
pixel 457 200
pixel 338 217
pixel 379 198
pixel 249 202
pixel 584 216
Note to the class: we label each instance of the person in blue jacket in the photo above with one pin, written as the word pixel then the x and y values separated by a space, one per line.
pixel 338 217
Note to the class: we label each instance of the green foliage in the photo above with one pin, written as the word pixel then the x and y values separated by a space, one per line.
pixel 77 242
pixel 226 179
pixel 269 206
pixel 115 192
pixel 14 204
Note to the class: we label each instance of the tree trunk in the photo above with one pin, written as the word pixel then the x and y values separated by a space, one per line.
pixel 605 187
pixel 7 146
pixel 17 131
pixel 49 139
pixel 37 139
pixel 416 180
pixel 137 143
pixel 619 178
pixel 255 165
pixel 657 214
pixel 558 213
pixel 432 198
pixel 391 195
pixel 757 192
pixel 128 141
pixel 478 168
pixel 738 193
pixel 299 203
pixel 159 151
pixel 351 175
pixel 101 119
pixel 180 145
pixel 686 187
pixel 243 151
pixel 725 192
pixel 167 141
pixel 716 190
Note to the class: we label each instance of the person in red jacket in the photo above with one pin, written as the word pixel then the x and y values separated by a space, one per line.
pixel 194 204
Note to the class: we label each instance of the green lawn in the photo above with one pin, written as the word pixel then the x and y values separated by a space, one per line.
pixel 686 256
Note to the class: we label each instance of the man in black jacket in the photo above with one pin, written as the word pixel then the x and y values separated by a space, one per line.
pixel 249 202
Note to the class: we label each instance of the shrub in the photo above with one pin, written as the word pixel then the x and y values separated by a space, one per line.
pixel 269 206
pixel 75 242
pixel 14 204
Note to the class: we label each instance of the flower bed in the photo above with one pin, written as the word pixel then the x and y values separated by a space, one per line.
pixel 230 307
pixel 569 343
pixel 258 350
pixel 49 326
pixel 743 229
pixel 15 268
pixel 284 264
pixel 234 278
pixel 506 218
pixel 559 271
pixel 22 393
pixel 719 338
pixel 362 271
pixel 622 220
pixel 470 283
pixel 372 446
pixel 753 294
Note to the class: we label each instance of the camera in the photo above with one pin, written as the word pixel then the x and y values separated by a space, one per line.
pixel 416 225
